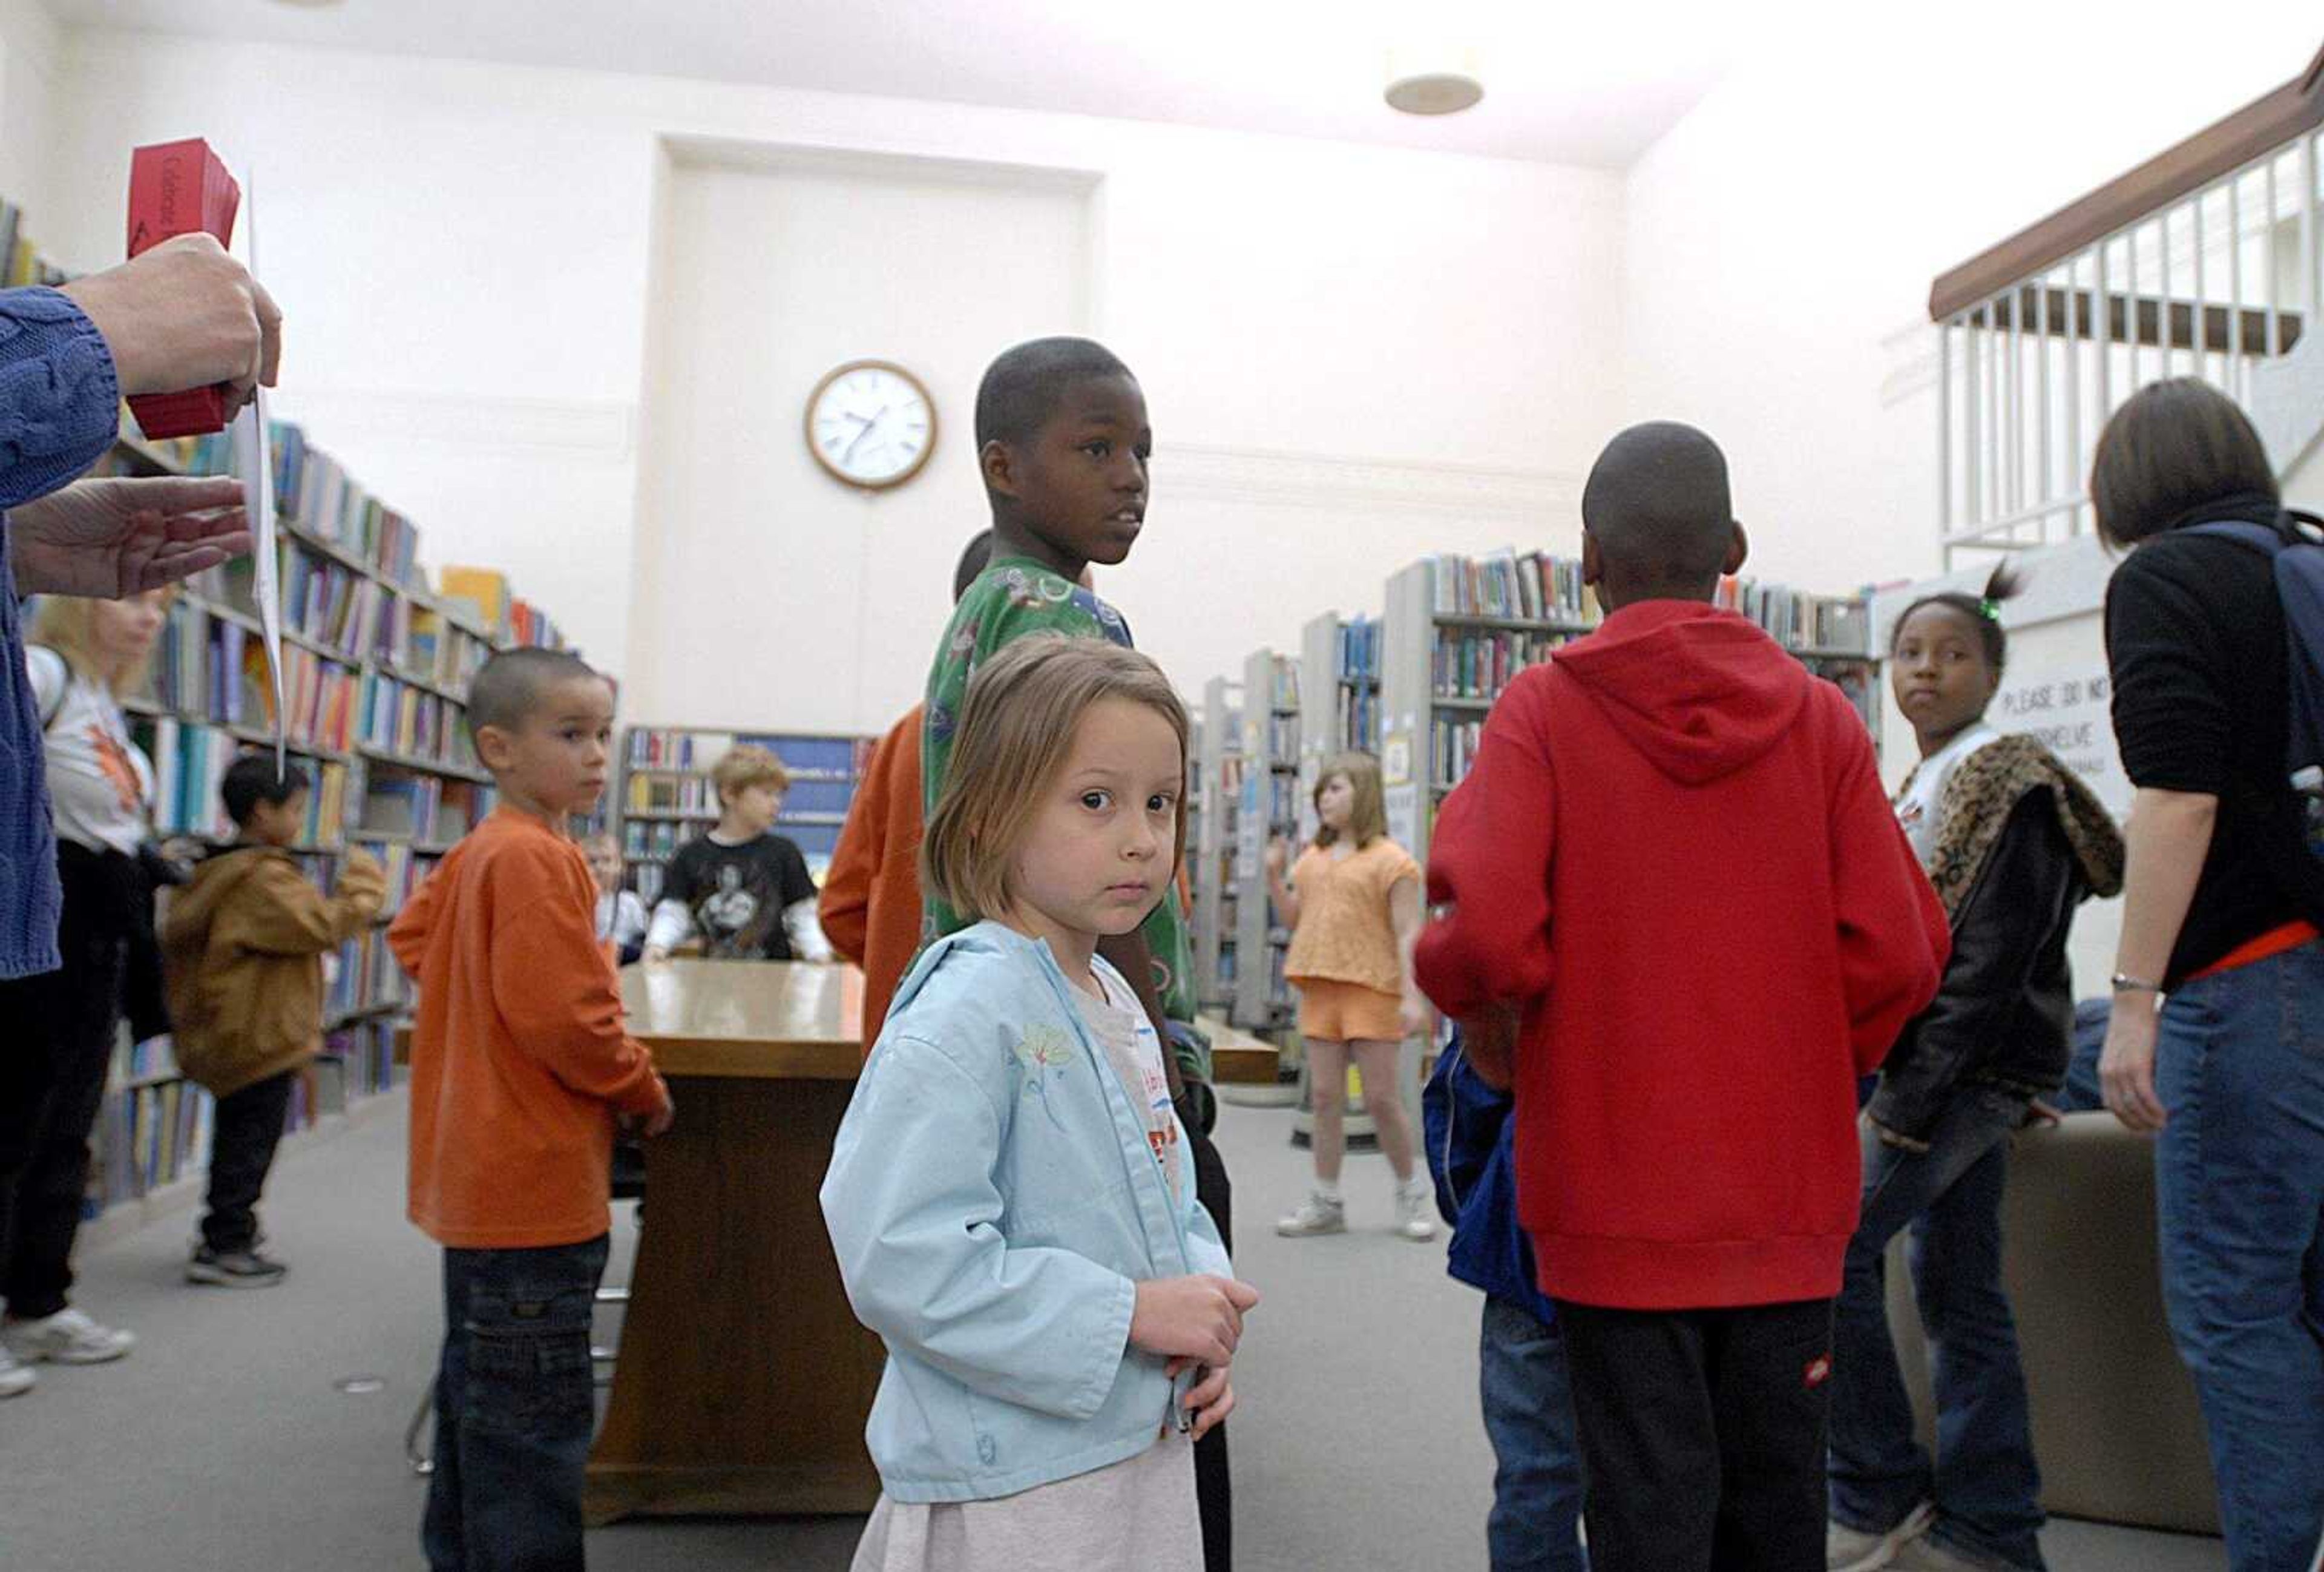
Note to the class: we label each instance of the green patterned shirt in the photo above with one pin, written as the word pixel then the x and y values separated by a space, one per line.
pixel 1013 597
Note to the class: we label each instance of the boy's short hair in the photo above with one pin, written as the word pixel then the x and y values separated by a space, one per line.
pixel 1658 504
pixel 508 688
pixel 1017 726
pixel 1368 815
pixel 1022 389
pixel 252 780
pixel 747 764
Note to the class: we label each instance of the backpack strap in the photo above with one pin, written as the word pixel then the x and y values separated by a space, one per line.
pixel 2264 539
pixel 55 707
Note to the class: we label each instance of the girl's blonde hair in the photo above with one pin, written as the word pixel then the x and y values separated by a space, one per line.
pixel 1367 817
pixel 66 623
pixel 1016 726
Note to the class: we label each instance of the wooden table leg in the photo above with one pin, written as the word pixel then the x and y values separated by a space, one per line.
pixel 743 1379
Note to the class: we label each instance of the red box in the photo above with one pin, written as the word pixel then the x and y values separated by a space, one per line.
pixel 180 188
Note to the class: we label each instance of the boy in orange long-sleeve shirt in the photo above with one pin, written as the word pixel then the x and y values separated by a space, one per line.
pixel 520 1063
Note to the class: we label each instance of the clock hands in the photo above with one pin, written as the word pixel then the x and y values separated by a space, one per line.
pixel 849 455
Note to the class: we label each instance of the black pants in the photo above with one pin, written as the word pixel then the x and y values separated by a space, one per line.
pixel 1702 1435
pixel 248 1128
pixel 56 1046
pixel 1213 1484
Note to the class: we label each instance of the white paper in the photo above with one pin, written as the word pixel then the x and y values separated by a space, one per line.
pixel 254 456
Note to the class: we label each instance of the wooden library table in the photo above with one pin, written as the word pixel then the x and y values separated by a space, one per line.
pixel 743 1379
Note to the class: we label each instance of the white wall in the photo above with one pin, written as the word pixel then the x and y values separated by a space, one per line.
pixel 29 45
pixel 1351 354
pixel 1782 238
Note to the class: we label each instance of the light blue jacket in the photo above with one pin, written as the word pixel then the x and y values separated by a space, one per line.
pixel 993 1202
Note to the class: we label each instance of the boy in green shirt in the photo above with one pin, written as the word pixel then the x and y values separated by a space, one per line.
pixel 1063 442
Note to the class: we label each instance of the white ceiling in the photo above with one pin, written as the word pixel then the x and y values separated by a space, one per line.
pixel 1569 81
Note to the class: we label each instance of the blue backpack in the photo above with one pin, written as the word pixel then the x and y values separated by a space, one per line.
pixel 2297 548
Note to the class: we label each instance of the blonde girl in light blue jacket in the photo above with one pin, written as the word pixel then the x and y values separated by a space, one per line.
pixel 1010 1198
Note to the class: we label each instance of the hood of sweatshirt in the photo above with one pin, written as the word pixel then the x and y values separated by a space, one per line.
pixel 195 906
pixel 1700 692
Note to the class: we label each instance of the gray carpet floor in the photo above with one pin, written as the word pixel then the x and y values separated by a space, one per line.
pixel 264 1429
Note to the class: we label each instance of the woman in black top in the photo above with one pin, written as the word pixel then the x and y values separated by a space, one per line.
pixel 2219 927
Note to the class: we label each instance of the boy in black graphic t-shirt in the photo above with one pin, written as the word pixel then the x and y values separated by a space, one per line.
pixel 743 890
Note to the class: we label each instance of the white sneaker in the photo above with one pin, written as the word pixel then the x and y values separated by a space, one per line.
pixel 1318 1214
pixel 1415 1209
pixel 15 1379
pixel 1847 1549
pixel 66 1338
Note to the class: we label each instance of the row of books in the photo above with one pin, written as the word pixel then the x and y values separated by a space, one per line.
pixel 412 721
pixel 365 1053
pixel 673 794
pixel 314 490
pixel 1801 621
pixel 189 765
pixel 428 808
pixel 1534 586
pixel 321 699
pixel 1282 736
pixel 440 651
pixel 335 606
pixel 403 865
pixel 148 1136
pixel 1479 665
pixel 1452 744
pixel 656 748
pixel 1284 799
pixel 207 666
pixel 1360 650
pixel 654 838
pixel 1359 719
pixel 1285 694
pixel 20 262
pixel 366 977
pixel 488 591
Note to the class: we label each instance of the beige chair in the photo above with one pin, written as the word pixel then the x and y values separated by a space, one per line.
pixel 2115 1425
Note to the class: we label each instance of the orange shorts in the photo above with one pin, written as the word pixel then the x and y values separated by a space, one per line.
pixel 1342 1012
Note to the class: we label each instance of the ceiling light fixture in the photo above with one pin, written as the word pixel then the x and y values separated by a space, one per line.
pixel 1436 79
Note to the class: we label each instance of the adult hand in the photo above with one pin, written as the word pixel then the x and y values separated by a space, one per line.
pixel 184 315
pixel 2126 1065
pixel 115 538
pixel 1413 1017
pixel 658 1122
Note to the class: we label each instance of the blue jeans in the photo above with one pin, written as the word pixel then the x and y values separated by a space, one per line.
pixel 1536 1516
pixel 2239 1198
pixel 514 1405
pixel 1984 1481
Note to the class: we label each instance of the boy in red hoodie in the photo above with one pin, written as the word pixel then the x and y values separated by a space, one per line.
pixel 1683 919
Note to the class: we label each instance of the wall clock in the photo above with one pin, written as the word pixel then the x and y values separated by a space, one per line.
pixel 871 424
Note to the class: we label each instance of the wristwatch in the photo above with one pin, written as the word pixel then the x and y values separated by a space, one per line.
pixel 2124 983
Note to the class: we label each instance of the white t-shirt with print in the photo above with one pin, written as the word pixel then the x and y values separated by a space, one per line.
pixel 100 782
pixel 1122 1030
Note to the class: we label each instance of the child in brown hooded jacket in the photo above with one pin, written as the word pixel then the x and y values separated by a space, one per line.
pixel 243 945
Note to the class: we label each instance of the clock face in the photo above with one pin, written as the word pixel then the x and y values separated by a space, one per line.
pixel 870 424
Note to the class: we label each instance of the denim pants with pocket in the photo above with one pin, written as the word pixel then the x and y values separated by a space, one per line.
pixel 1983 1480
pixel 514 1406
pixel 1528 1401
pixel 2239 1198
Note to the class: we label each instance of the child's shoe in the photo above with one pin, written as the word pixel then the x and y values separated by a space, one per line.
pixel 234 1268
pixel 68 1337
pixel 1415 1209
pixel 15 1379
pixel 1318 1214
pixel 1847 1549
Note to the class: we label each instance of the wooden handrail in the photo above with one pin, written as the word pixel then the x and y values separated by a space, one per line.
pixel 2264 124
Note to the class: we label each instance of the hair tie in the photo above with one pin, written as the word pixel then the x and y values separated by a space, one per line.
pixel 1989 609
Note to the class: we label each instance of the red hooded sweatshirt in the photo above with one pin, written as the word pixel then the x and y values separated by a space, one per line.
pixel 1672 853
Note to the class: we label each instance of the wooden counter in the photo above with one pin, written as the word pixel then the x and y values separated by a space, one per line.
pixel 743 1379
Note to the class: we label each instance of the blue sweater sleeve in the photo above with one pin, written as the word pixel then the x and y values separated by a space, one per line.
pixel 59 402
